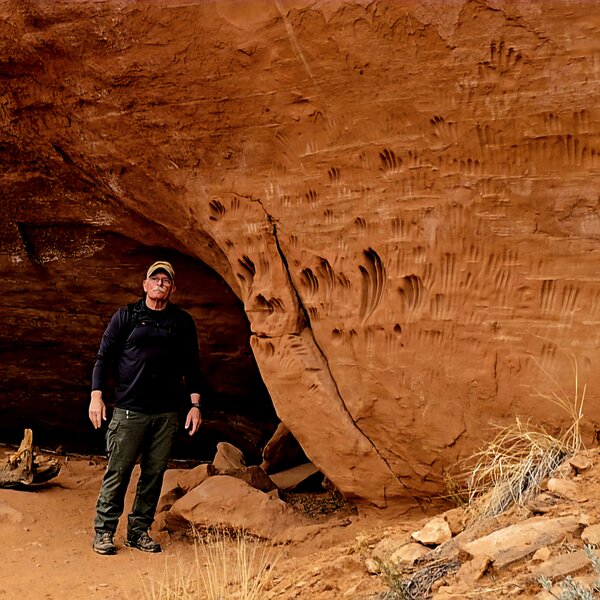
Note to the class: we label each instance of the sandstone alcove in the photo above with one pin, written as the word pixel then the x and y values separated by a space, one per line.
pixel 72 276
pixel 402 196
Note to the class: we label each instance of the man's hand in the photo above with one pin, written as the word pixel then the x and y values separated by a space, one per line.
pixel 194 418
pixel 97 410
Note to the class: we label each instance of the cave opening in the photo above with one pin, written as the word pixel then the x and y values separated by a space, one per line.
pixel 57 313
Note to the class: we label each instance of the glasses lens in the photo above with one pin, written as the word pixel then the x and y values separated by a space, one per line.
pixel 160 280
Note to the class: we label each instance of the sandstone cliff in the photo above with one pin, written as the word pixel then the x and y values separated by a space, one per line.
pixel 401 198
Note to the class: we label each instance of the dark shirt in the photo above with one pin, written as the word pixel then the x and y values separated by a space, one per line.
pixel 155 353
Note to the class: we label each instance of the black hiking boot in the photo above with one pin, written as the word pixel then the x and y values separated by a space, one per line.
pixel 103 543
pixel 143 542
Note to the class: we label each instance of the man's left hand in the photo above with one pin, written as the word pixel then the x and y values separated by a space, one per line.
pixel 194 418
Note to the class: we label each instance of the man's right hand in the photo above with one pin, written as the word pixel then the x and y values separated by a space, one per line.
pixel 97 411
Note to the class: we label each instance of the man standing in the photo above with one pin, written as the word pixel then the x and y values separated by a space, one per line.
pixel 154 347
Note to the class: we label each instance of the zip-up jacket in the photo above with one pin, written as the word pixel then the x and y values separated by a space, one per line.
pixel 155 356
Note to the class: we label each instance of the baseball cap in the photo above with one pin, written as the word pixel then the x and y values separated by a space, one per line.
pixel 161 265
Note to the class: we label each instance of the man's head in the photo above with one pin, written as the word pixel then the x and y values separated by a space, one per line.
pixel 160 281
pixel 161 266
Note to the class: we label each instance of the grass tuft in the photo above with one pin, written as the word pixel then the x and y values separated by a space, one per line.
pixel 509 470
pixel 228 565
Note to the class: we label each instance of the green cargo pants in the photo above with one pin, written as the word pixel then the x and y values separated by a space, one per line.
pixel 132 435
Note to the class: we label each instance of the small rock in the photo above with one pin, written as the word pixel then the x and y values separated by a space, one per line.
pixel 456 520
pixel 473 570
pixel 591 535
pixel 580 462
pixel 541 555
pixel 565 488
pixel 408 554
pixel 563 565
pixel 436 532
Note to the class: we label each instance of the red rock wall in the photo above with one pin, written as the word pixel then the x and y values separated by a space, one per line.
pixel 403 194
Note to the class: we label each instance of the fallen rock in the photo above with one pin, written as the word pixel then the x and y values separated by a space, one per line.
pixel 435 532
pixel 563 565
pixel 292 478
pixel 228 457
pixel 591 535
pixel 191 478
pixel 522 539
pixel 254 476
pixel 581 462
pixel 282 451
pixel 408 554
pixel 456 519
pixel 541 555
pixel 565 488
pixel 473 570
pixel 231 503
pixel 167 500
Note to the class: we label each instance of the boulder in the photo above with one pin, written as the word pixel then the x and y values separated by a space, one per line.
pixel 231 503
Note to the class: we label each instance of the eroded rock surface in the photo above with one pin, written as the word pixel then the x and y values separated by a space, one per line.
pixel 402 195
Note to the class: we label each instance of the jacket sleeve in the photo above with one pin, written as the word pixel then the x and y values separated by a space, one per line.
pixel 109 347
pixel 194 382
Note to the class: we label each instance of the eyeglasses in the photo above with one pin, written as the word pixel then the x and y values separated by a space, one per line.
pixel 161 281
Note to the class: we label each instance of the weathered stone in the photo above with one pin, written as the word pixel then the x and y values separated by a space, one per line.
pixel 565 488
pixel 456 519
pixel 282 451
pixel 541 555
pixel 435 532
pixel 388 258
pixel 591 535
pixel 292 478
pixel 563 565
pixel 191 478
pixel 522 539
pixel 228 457
pixel 581 462
pixel 231 503
pixel 254 476
pixel 408 554
pixel 473 570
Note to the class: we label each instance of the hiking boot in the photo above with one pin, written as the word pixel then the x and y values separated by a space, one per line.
pixel 103 543
pixel 142 541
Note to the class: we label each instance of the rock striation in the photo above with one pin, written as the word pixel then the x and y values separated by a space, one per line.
pixel 395 204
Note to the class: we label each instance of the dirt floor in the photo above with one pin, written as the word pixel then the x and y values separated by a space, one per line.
pixel 46 549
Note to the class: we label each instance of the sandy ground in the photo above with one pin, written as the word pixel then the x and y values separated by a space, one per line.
pixel 46 548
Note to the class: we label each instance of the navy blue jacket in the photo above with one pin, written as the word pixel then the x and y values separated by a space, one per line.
pixel 155 355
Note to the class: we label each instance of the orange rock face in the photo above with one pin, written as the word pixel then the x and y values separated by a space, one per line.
pixel 403 195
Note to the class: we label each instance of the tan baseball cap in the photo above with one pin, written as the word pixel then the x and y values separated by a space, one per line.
pixel 161 265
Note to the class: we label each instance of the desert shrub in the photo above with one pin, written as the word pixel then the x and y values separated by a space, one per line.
pixel 510 468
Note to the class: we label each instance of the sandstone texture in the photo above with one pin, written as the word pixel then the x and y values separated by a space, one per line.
pixel 389 208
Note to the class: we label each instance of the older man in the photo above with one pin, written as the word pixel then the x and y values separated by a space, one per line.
pixel 154 346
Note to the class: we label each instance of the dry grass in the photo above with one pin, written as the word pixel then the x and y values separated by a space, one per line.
pixel 227 566
pixel 510 469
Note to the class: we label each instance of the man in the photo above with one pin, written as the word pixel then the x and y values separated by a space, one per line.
pixel 154 346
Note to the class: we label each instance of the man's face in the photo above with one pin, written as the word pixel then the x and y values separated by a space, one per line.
pixel 159 286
